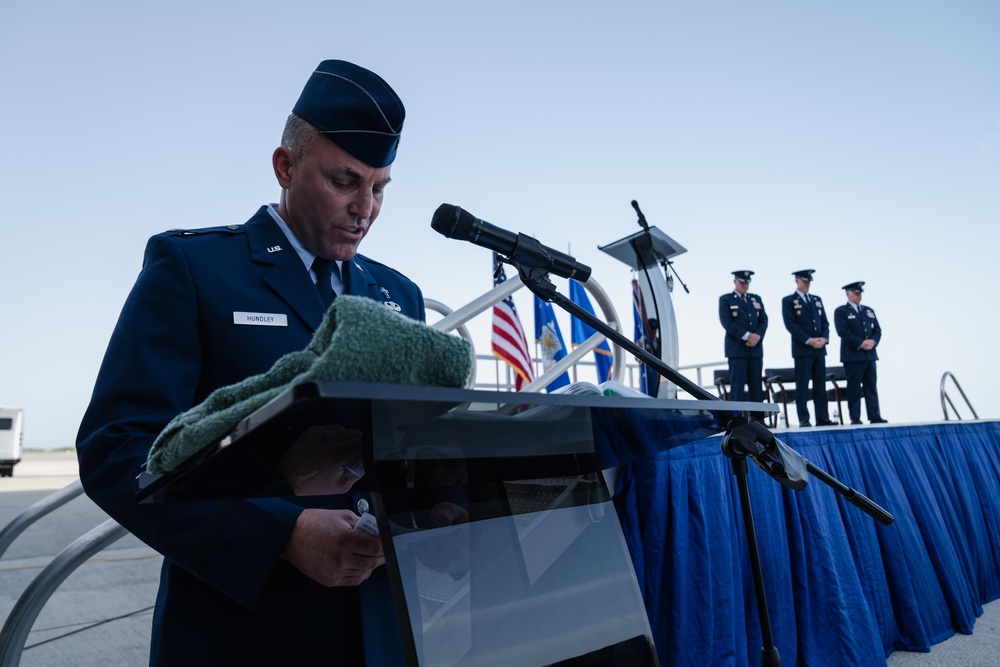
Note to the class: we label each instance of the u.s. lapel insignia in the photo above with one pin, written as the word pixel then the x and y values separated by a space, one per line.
pixel 275 248
pixel 385 292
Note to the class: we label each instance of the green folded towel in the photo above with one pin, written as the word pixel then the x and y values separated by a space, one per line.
pixel 360 340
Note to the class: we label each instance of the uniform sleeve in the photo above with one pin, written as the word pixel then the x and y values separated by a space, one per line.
pixel 151 373
pixel 762 322
pixel 825 323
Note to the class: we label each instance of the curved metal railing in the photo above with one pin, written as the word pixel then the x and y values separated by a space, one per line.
pixel 946 400
pixel 455 320
pixel 36 511
pixel 18 625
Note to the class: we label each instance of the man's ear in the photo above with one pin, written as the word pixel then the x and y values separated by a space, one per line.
pixel 283 162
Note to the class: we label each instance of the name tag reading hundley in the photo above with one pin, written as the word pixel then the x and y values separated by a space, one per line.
pixel 261 319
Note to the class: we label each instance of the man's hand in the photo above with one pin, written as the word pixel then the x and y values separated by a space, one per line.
pixel 817 343
pixel 317 463
pixel 325 547
pixel 868 344
pixel 753 339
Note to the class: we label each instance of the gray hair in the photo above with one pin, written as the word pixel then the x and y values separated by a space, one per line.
pixel 298 136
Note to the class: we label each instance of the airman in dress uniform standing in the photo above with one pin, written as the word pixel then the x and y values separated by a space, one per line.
pixel 860 332
pixel 742 316
pixel 805 318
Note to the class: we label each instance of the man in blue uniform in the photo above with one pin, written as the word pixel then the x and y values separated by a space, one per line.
pixel 742 316
pixel 265 581
pixel 805 318
pixel 860 334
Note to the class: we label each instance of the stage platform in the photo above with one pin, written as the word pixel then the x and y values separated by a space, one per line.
pixel 841 589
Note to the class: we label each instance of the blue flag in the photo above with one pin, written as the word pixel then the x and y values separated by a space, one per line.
pixel 550 340
pixel 581 331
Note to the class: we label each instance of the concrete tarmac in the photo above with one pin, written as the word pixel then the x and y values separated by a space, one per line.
pixel 101 615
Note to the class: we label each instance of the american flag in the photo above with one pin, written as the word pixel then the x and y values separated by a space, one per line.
pixel 509 342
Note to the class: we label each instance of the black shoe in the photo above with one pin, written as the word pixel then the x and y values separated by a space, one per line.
pixel 824 422
pixel 804 424
pixel 878 421
pixel 856 422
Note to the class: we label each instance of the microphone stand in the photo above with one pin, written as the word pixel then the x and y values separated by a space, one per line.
pixel 670 265
pixel 744 438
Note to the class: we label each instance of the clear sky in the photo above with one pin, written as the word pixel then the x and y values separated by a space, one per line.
pixel 860 139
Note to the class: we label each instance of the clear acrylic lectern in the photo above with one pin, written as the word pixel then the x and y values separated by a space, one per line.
pixel 502 544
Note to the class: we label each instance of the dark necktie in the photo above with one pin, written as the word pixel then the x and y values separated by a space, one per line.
pixel 323 268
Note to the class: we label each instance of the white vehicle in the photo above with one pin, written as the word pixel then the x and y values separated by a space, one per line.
pixel 11 420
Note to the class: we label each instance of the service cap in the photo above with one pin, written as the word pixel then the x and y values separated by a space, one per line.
pixel 805 274
pixel 743 276
pixel 855 287
pixel 355 109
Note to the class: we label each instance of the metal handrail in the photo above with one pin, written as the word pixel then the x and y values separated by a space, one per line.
pixel 18 625
pixel 945 397
pixel 36 511
pixel 456 319
pixel 463 332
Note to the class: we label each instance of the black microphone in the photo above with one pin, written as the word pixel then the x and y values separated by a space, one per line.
pixel 456 223
pixel 642 218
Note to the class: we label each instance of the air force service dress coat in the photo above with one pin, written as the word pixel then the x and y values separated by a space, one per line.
pixel 853 328
pixel 805 318
pixel 740 316
pixel 210 308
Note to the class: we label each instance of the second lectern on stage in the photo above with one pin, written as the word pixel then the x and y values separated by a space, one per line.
pixel 501 540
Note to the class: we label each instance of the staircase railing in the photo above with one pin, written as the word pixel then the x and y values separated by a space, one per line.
pixel 946 399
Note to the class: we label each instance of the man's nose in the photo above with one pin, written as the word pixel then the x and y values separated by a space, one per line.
pixel 364 203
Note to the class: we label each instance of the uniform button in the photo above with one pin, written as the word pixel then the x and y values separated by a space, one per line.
pixel 362 506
